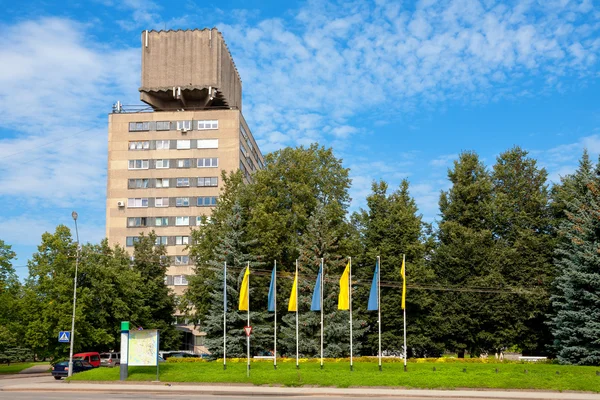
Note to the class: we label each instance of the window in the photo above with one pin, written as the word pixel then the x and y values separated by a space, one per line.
pixel 202 220
pixel 162 182
pixel 184 125
pixel 138 164
pixel 138 183
pixel 207 201
pixel 182 201
pixel 140 145
pixel 161 202
pixel 243 150
pixel 162 163
pixel 181 240
pixel 208 181
pixel 137 202
pixel 208 124
pixel 208 162
pixel 131 240
pixel 161 240
pixel 182 260
pixel 139 126
pixel 208 144
pixel 180 280
pixel 183 144
pixel 183 163
pixel 163 126
pixel 182 221
pixel 136 221
pixel 182 182
pixel 161 221
pixel 243 132
pixel 163 144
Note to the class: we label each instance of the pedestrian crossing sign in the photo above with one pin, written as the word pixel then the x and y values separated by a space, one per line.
pixel 64 337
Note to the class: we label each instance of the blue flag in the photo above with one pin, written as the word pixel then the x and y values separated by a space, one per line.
pixel 373 303
pixel 272 292
pixel 316 299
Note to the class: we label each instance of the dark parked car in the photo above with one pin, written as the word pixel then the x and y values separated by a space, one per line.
pixel 61 369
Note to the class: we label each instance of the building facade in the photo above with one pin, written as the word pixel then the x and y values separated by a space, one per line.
pixel 165 162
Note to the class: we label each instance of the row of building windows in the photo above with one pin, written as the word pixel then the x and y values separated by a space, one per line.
pixel 140 222
pixel 176 280
pixel 182 144
pixel 145 183
pixel 161 240
pixel 250 146
pixel 144 202
pixel 186 125
pixel 174 163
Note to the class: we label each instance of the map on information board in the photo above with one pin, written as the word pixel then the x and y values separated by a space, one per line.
pixel 143 348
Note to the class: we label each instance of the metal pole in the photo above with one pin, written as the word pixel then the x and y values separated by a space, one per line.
pixel 70 373
pixel 275 318
pixel 225 315
pixel 297 308
pixel 350 304
pixel 379 305
pixel 248 336
pixel 403 286
pixel 322 273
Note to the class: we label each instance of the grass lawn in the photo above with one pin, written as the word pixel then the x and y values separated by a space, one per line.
pixel 419 375
pixel 14 368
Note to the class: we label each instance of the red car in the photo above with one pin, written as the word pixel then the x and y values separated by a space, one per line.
pixel 92 357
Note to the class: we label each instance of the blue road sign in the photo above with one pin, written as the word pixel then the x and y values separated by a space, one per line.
pixel 64 337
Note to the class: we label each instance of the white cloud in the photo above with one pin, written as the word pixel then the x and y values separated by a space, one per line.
pixel 444 160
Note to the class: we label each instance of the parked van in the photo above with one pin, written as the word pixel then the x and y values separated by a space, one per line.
pixel 110 359
pixel 93 357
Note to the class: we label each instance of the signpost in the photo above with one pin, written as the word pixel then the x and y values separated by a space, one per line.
pixel 64 337
pixel 248 330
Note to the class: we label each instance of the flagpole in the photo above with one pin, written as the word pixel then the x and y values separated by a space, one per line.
pixel 275 319
pixel 225 316
pixel 248 336
pixel 403 286
pixel 350 306
pixel 322 272
pixel 297 284
pixel 379 304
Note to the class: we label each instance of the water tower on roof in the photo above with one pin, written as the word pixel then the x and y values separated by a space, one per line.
pixel 188 70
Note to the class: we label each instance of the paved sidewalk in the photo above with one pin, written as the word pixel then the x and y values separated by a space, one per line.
pixel 36 369
pixel 263 391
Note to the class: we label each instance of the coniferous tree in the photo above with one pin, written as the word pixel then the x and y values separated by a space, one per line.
pixel 320 241
pixel 233 249
pixel 575 301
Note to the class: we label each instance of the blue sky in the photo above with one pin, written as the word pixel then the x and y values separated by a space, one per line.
pixel 398 89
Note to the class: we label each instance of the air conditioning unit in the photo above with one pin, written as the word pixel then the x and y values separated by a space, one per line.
pixel 120 204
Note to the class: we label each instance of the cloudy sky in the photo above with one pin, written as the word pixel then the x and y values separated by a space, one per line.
pixel 398 89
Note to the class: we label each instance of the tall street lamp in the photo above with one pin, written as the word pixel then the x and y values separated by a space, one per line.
pixel 74 215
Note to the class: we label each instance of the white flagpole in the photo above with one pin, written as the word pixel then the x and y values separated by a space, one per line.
pixel 322 273
pixel 248 336
pixel 225 316
pixel 404 279
pixel 297 308
pixel 275 319
pixel 350 304
pixel 379 305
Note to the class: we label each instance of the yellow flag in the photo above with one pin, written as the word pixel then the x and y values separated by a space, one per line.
pixel 344 296
pixel 403 273
pixel 244 296
pixel 293 304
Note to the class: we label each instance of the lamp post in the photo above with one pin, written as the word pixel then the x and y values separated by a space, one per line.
pixel 70 373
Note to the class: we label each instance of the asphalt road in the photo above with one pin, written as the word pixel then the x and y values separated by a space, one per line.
pixel 113 396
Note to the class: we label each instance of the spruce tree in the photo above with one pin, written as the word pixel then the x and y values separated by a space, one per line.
pixel 233 249
pixel 575 301
pixel 319 241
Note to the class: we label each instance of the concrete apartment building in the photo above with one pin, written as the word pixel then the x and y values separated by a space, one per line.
pixel 165 162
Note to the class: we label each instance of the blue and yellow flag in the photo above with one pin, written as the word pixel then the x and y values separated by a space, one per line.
pixel 293 304
pixel 373 295
pixel 403 273
pixel 344 296
pixel 315 305
pixel 271 306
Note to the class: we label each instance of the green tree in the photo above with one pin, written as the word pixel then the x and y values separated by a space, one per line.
pixel 391 227
pixel 10 299
pixel 575 301
pixel 464 257
pixel 523 231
